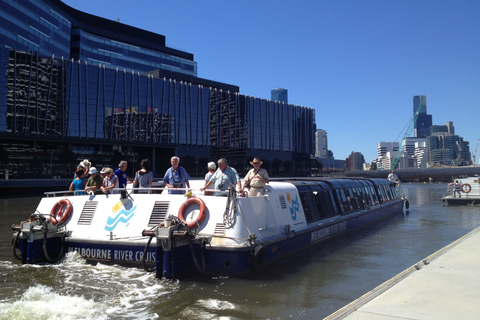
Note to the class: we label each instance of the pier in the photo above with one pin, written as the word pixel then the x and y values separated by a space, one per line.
pixel 444 285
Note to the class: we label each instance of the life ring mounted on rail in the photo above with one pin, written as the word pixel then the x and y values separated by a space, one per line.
pixel 466 187
pixel 61 211
pixel 201 215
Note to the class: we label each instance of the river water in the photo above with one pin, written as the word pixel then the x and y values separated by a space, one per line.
pixel 311 285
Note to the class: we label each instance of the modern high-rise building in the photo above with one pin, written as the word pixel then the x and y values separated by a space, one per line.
pixel 321 144
pixel 354 161
pixel 384 147
pixel 424 121
pixel 73 85
pixel 280 95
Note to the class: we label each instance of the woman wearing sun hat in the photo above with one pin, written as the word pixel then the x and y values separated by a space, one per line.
pixel 110 181
pixel 256 179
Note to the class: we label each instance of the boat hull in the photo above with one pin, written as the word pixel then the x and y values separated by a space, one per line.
pixel 465 201
pixel 231 261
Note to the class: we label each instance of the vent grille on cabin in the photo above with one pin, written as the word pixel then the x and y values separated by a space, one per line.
pixel 88 211
pixel 219 229
pixel 283 203
pixel 160 210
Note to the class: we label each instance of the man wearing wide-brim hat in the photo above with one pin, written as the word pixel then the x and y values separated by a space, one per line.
pixel 256 179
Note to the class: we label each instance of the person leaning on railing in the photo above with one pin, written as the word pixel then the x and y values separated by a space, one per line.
pixel 94 182
pixel 143 177
pixel 223 178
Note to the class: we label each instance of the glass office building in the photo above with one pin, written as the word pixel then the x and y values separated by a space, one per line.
pixel 88 91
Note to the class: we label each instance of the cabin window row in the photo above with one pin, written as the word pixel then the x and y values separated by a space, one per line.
pixel 322 204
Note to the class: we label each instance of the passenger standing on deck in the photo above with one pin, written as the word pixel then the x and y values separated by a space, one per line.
pixel 457 188
pixel 85 166
pixel 211 171
pixel 121 174
pixel 110 181
pixel 176 177
pixel 256 179
pixel 223 178
pixel 78 183
pixel 393 178
pixel 94 182
pixel 143 177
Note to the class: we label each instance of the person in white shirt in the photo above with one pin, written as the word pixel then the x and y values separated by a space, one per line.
pixel 110 181
pixel 393 178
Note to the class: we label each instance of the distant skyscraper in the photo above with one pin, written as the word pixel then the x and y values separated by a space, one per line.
pixel 424 120
pixel 321 144
pixel 280 94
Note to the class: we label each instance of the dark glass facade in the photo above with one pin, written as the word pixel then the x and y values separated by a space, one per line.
pixel 65 88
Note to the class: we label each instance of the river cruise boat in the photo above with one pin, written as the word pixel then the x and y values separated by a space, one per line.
pixel 177 235
pixel 468 192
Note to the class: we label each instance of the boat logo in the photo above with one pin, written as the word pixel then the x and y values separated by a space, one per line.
pixel 295 206
pixel 121 215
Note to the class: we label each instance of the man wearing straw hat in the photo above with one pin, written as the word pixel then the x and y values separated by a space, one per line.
pixel 256 179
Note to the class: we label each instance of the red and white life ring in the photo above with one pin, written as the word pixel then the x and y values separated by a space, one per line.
pixel 466 188
pixel 200 217
pixel 61 211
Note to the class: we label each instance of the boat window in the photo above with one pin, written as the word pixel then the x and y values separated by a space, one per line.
pixel 333 202
pixel 309 206
pixel 368 196
pixel 361 197
pixel 379 194
pixel 324 205
pixel 353 198
pixel 349 202
pixel 374 195
pixel 394 191
pixel 339 201
pixel 387 192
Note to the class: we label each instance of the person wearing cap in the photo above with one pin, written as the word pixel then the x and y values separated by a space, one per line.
pixel 211 171
pixel 223 178
pixel 110 181
pixel 256 179
pixel 94 182
pixel 121 174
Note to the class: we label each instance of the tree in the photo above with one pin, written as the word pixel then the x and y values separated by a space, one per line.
pixel 373 166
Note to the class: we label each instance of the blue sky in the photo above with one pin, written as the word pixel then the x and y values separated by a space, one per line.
pixel 357 63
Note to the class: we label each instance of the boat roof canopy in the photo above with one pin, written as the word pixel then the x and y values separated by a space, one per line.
pixel 306 185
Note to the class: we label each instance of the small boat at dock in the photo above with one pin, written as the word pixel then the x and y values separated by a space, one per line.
pixel 176 235
pixel 468 192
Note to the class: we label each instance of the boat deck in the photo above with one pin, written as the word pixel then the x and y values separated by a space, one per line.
pixel 445 285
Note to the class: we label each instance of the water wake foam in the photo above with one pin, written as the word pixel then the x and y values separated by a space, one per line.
pixel 41 302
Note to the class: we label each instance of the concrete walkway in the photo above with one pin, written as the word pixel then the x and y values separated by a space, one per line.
pixel 445 285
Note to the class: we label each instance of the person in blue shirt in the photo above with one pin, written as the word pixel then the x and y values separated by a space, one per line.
pixel 78 184
pixel 121 174
pixel 223 178
pixel 176 177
